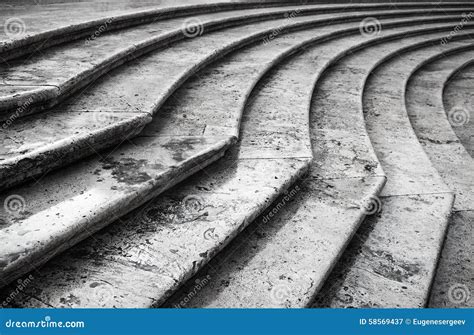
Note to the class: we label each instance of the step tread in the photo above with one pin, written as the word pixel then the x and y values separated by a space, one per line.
pixel 390 263
pixel 424 103
pixel 259 268
pixel 232 192
pixel 458 92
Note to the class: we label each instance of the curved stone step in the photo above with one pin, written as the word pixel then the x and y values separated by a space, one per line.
pixel 392 259
pixel 283 262
pixel 43 25
pixel 34 28
pixel 136 249
pixel 216 191
pixel 41 82
pixel 424 103
pixel 118 113
pixel 123 253
pixel 458 99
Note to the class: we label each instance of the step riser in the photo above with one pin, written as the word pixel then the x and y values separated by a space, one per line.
pixel 31 44
pixel 38 163
pixel 52 96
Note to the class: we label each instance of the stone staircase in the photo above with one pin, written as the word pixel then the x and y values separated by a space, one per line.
pixel 237 154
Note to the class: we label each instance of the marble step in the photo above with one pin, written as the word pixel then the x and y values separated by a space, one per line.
pixel 41 25
pixel 33 147
pixel 40 81
pixel 392 259
pixel 168 240
pixel 283 262
pixel 434 126
pixel 459 93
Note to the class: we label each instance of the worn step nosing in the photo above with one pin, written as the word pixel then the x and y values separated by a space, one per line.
pixel 52 97
pixel 17 169
pixel 38 253
pixel 11 49
pixel 389 57
pixel 188 73
pixel 308 163
pixel 380 185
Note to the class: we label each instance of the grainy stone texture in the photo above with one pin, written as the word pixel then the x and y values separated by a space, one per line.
pixel 268 156
pixel 458 102
pixel 452 286
pixel 166 238
pixel 180 238
pixel 377 259
pixel 115 97
pixel 265 267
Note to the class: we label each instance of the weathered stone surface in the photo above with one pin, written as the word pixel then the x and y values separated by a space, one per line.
pixel 458 104
pixel 117 92
pixel 252 274
pixel 390 261
pixel 452 286
pixel 169 236
pixel 380 256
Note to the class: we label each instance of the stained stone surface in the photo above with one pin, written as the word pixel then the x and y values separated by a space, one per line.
pixel 369 270
pixel 126 90
pixel 458 104
pixel 264 224
pixel 227 197
pixel 252 273
pixel 390 264
pixel 452 286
